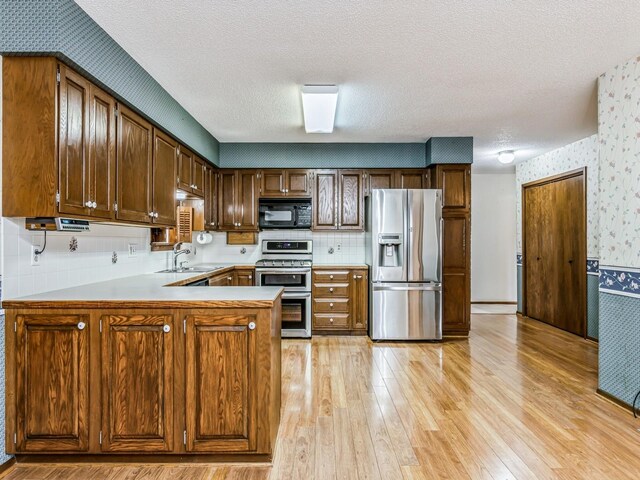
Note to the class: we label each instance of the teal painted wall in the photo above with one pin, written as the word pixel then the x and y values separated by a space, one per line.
pixel 322 155
pixel 449 150
pixel 63 29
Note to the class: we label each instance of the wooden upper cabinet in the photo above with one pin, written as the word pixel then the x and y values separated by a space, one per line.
pixel 325 197
pixel 455 182
pixel 350 200
pixel 198 177
pixel 383 178
pixel 284 183
pixel 165 159
pixel 185 169
pixel 247 200
pixel 297 183
pixel 52 383
pixel 221 383
pixel 134 159
pixel 412 178
pixel 210 198
pixel 137 383
pixel 272 183
pixel 238 200
pixel 102 153
pixel 74 138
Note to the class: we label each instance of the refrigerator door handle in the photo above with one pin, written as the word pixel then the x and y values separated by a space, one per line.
pixel 436 287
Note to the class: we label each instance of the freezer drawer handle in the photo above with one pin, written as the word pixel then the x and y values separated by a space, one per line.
pixel 410 289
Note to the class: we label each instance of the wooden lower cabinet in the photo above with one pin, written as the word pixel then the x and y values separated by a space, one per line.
pixel 132 380
pixel 244 277
pixel 340 300
pixel 137 382
pixel 51 383
pixel 235 277
pixel 221 369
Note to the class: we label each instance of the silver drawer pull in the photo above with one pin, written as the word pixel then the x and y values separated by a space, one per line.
pixel 331 305
pixel 81 325
pixel 252 325
pixel 166 328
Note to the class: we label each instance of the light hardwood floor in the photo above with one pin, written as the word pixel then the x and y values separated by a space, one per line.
pixel 516 400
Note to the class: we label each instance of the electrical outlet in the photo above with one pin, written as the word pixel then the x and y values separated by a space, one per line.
pixel 35 258
pixel 338 246
pixel 133 249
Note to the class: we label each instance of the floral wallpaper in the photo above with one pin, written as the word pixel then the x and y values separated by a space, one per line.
pixel 619 132
pixel 583 153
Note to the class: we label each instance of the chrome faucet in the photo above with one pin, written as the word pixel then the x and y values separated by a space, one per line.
pixel 177 252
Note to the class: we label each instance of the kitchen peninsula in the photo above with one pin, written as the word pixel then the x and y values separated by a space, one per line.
pixel 145 365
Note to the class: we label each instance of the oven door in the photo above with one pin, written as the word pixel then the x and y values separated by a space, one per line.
pixel 296 315
pixel 297 280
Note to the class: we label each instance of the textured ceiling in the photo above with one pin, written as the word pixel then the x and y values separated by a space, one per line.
pixel 513 74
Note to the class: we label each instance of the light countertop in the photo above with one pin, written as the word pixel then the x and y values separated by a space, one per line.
pixel 155 288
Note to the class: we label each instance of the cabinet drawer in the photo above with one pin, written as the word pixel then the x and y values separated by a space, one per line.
pixel 336 290
pixel 331 305
pixel 330 276
pixel 328 321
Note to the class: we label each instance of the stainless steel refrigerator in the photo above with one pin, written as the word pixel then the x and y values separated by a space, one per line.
pixel 404 251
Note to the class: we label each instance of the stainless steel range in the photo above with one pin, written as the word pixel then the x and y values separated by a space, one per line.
pixel 287 264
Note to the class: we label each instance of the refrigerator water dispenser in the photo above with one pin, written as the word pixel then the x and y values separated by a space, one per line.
pixel 390 249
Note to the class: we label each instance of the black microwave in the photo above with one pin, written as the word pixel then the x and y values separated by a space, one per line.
pixel 285 213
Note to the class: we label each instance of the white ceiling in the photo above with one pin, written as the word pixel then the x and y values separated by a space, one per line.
pixel 513 74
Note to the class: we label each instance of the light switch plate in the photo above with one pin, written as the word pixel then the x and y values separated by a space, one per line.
pixel 133 249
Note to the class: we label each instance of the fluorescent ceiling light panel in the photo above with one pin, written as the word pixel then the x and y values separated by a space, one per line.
pixel 319 106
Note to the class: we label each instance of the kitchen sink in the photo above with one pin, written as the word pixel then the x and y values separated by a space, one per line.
pixel 190 269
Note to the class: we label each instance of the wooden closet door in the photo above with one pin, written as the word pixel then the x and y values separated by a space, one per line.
pixel 532 236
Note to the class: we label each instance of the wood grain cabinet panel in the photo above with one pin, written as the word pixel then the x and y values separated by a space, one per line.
pixel 245 277
pixel 351 200
pixel 412 178
pixel 455 242
pixel 137 383
pixel 198 176
pixel 220 383
pixel 247 200
pixel 455 182
pixel 297 183
pixel 102 153
pixel 210 199
pixel 165 158
pixel 360 299
pixel 74 138
pixel 52 381
pixel 227 193
pixel 134 159
pixel 272 183
pixel 325 196
pixel 185 169
pixel 455 303
pixel 383 178
pixel 340 300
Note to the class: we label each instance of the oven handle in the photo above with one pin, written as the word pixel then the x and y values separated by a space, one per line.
pixel 282 271
pixel 296 295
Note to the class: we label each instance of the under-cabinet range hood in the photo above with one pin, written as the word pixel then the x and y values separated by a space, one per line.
pixel 57 224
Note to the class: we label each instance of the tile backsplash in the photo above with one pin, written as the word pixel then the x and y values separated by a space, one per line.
pixel 348 247
pixel 67 263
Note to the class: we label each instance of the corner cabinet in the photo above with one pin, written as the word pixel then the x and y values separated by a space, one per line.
pixel 238 200
pixel 132 380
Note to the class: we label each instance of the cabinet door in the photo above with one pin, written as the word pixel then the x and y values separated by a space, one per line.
pixel 222 280
pixel 137 383
pixel 297 183
pixel 247 200
pixel 74 136
pixel 210 199
pixel 359 299
pixel 244 277
pixel 185 169
pixel 272 183
pixel 351 200
pixel 198 177
pixel 455 304
pixel 165 159
pixel 379 179
pixel 134 160
pixel 221 402
pixel 325 195
pixel 102 153
pixel 52 383
pixel 415 178
pixel 227 200
pixel 455 182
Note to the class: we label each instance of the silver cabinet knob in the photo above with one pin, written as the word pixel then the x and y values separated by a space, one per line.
pixel 94 205
pixel 331 305
pixel 331 289
pixel 166 328
pixel 252 325
pixel 354 277
pixel 331 277
pixel 88 204
pixel 331 320
pixel 250 277
pixel 151 214
pixel 156 215
pixel 286 190
pixel 229 278
pixel 81 325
